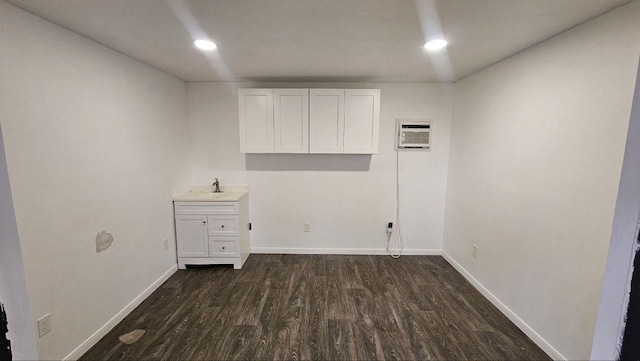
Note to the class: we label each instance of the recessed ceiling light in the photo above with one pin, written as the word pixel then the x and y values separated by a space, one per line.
pixel 205 45
pixel 435 44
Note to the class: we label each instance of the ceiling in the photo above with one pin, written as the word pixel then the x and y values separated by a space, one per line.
pixel 318 40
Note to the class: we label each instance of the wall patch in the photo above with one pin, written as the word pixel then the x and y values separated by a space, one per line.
pixel 103 241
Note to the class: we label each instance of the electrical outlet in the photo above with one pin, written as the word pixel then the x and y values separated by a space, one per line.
pixel 307 227
pixel 166 244
pixel 44 325
pixel 475 251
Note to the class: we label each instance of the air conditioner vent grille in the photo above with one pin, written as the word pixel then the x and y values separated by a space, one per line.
pixel 413 134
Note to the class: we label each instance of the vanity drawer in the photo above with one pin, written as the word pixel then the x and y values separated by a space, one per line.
pixel 223 247
pixel 206 207
pixel 223 225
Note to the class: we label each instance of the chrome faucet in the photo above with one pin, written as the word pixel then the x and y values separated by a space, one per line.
pixel 217 185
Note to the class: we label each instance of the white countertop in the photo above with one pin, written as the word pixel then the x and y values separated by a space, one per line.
pixel 206 194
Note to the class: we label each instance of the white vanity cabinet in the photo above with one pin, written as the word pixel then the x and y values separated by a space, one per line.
pixel 212 232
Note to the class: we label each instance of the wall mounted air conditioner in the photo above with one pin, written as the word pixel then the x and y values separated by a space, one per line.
pixel 413 134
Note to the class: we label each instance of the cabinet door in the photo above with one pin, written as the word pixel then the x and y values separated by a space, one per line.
pixel 291 120
pixel 256 120
pixel 361 121
pixel 326 120
pixel 192 238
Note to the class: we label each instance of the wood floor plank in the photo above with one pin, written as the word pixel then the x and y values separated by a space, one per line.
pixel 338 306
pixel 223 281
pixel 280 274
pixel 192 337
pixel 341 343
pixel 212 340
pixel 315 330
pixel 250 306
pixel 503 348
pixel 319 307
pixel 468 317
pixel 441 336
pixel 237 343
pixel 367 342
pixel 293 314
pixel 267 325
pixel 349 274
pixel 398 342
pixel 319 265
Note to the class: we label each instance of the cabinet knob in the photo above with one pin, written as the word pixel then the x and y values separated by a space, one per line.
pixel 203 222
pixel 222 247
pixel 222 226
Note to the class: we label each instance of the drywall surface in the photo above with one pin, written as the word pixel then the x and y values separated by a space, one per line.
pixel 536 154
pixel 616 285
pixel 348 199
pixel 95 141
pixel 13 287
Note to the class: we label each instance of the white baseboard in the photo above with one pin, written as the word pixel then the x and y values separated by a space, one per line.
pixel 530 332
pixel 102 331
pixel 345 251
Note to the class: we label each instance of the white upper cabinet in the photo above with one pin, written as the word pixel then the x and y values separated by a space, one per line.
pixel 321 121
pixel 256 120
pixel 361 121
pixel 291 120
pixel 326 121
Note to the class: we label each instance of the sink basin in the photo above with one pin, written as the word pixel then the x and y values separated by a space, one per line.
pixel 207 195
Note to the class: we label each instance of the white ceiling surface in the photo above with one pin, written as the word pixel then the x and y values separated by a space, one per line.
pixel 318 40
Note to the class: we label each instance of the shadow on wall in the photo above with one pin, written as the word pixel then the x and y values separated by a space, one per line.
pixel 309 162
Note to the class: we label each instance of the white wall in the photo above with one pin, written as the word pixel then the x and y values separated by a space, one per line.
pixel 13 287
pixel 536 151
pixel 348 199
pixel 616 286
pixel 94 141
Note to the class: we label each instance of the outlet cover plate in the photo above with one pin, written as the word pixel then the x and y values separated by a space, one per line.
pixel 44 325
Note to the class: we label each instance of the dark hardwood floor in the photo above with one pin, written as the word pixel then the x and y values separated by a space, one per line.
pixel 316 307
